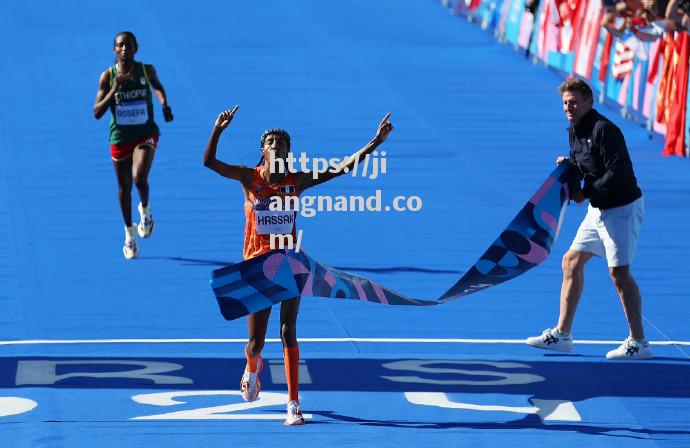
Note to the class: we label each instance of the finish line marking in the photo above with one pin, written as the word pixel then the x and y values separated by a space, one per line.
pixel 369 340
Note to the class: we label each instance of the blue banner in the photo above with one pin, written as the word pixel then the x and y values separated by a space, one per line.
pixel 279 275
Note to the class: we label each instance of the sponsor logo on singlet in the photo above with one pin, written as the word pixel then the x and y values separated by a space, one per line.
pixel 262 203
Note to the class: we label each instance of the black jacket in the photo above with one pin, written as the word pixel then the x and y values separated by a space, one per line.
pixel 599 154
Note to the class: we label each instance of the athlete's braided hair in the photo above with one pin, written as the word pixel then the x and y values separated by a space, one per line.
pixel 273 131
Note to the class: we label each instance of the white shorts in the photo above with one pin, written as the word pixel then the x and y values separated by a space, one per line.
pixel 611 233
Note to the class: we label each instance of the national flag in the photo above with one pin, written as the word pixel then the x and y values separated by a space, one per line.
pixel 588 38
pixel 605 57
pixel 656 48
pixel 665 89
pixel 675 130
pixel 625 50
pixel 571 13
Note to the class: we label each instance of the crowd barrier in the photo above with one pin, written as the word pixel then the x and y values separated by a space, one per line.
pixel 647 80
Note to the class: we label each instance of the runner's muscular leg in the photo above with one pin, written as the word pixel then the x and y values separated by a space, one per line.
pixel 142 160
pixel 123 173
pixel 288 334
pixel 288 321
pixel 257 323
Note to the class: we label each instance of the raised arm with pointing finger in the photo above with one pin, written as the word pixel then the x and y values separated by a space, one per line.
pixel 307 180
pixel 238 172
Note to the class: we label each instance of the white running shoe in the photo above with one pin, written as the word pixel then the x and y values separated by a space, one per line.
pixel 552 339
pixel 631 349
pixel 250 386
pixel 130 248
pixel 145 227
pixel 294 414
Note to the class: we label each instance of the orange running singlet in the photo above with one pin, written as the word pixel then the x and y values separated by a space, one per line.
pixel 261 221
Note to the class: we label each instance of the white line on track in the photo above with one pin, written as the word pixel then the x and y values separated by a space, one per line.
pixel 326 340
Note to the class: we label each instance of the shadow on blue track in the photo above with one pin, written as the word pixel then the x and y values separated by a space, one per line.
pixel 576 355
pixel 527 422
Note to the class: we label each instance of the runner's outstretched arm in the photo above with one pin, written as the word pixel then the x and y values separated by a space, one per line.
pixel 306 180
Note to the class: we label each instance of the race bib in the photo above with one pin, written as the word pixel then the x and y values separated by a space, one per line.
pixel 134 112
pixel 274 222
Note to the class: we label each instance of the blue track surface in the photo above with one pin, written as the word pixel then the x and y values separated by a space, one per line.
pixel 477 130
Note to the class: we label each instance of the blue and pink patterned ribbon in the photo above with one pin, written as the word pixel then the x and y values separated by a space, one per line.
pixel 279 275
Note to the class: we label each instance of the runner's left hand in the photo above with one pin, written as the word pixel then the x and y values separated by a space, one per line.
pixel 167 114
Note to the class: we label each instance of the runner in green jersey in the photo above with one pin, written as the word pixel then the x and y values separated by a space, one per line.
pixel 125 90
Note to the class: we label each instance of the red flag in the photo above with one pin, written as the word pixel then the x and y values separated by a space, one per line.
pixel 664 94
pixel 654 65
pixel 473 4
pixel 675 131
pixel 571 12
pixel 605 57
pixel 588 38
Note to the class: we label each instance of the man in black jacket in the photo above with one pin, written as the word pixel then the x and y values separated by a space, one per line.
pixel 610 228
